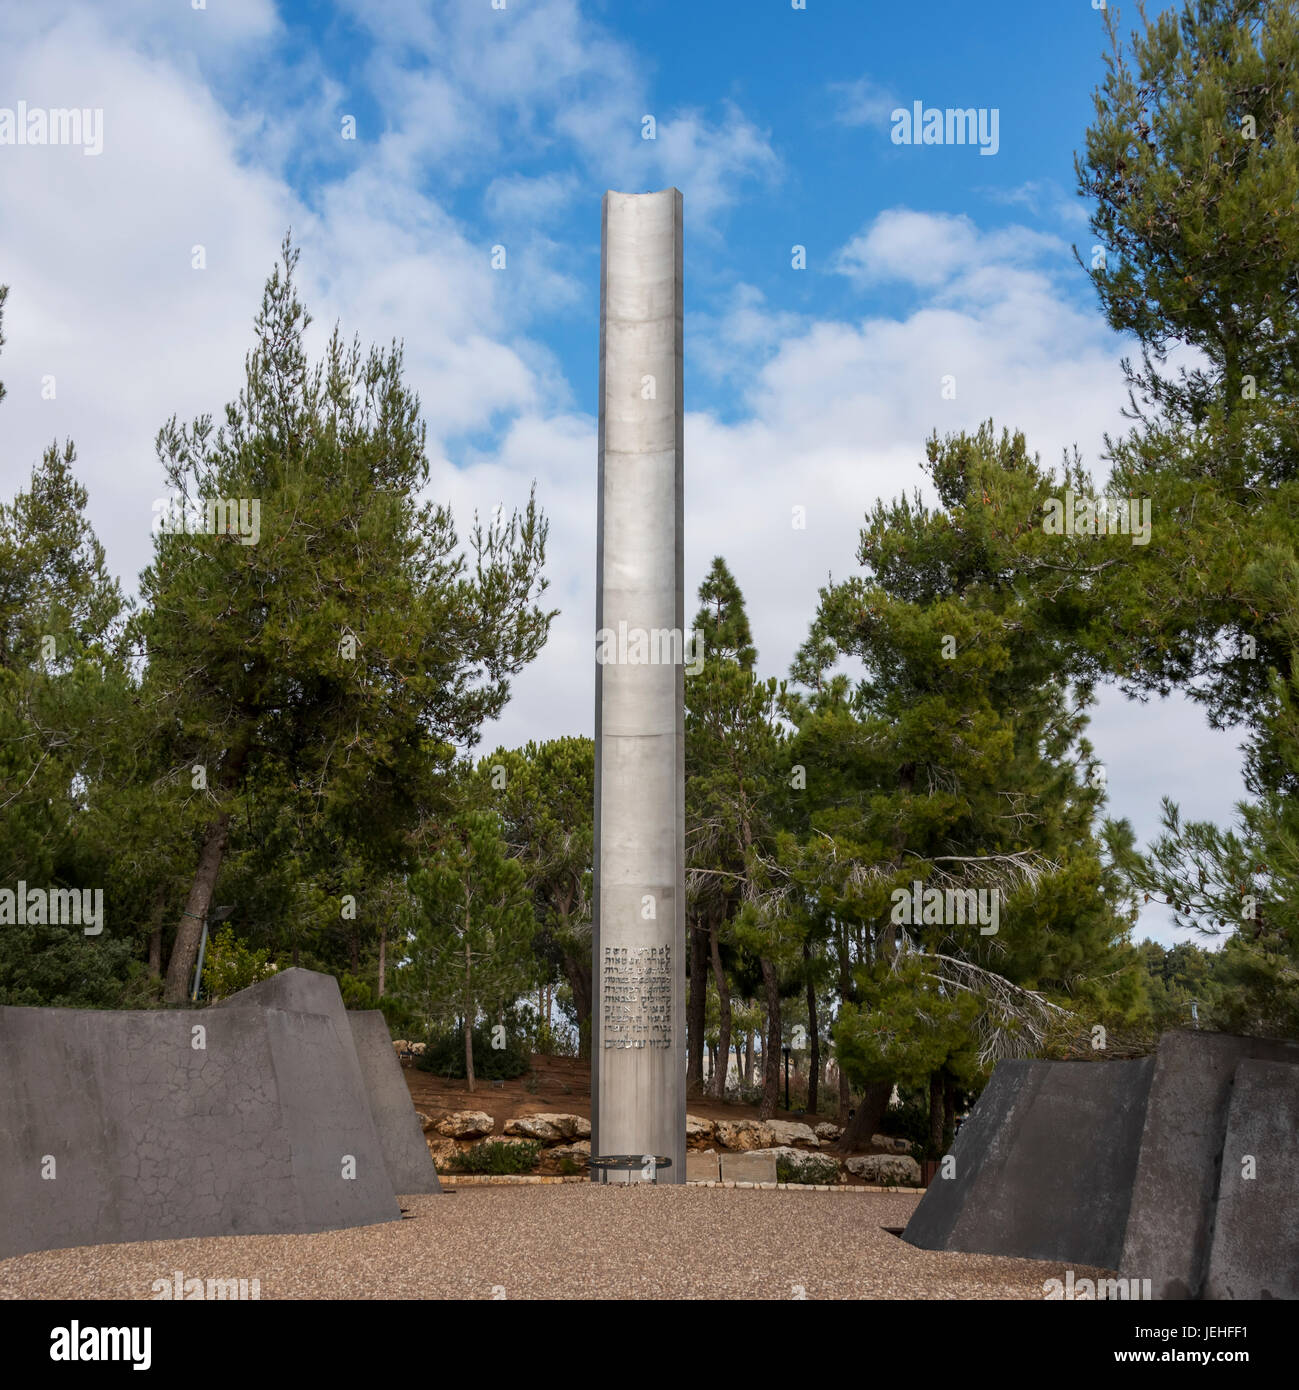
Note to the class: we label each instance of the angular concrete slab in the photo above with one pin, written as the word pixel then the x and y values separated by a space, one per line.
pixel 1254 1247
pixel 1044 1165
pixel 1175 1190
pixel 240 1119
pixel 748 1168
pixel 405 1151
pixel 702 1167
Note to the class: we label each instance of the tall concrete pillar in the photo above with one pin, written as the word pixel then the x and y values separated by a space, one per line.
pixel 638 1091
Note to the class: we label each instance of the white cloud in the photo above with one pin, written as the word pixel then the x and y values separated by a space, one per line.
pixel 863 102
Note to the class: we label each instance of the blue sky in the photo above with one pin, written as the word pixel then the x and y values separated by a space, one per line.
pixel 478 127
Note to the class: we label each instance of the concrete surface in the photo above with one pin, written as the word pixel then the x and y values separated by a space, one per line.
pixel 702 1167
pixel 1254 1248
pixel 638 1057
pixel 748 1168
pixel 405 1151
pixel 1044 1165
pixel 1176 1185
pixel 124 1126
pixel 1136 1166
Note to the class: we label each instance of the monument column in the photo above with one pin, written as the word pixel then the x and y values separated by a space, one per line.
pixel 638 1094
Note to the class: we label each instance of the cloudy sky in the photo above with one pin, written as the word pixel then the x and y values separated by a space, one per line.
pixel 482 123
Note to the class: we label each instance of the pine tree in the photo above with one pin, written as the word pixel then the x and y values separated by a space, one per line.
pixel 320 659
pixel 472 928
pixel 1192 159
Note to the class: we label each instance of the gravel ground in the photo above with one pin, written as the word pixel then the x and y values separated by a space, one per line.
pixel 575 1241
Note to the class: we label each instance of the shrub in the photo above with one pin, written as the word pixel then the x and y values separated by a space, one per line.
pixel 492 1156
pixel 445 1055
pixel 811 1169
pixel 229 966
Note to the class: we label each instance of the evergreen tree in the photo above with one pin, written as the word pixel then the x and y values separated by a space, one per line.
pixel 1192 162
pixel 472 926
pixel 322 658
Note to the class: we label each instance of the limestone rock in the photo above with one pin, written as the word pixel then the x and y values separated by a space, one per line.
pixel 548 1128
pixel 699 1131
pixel 885 1169
pixel 891 1145
pixel 744 1135
pixel 442 1151
pixel 793 1132
pixel 827 1133
pixel 465 1124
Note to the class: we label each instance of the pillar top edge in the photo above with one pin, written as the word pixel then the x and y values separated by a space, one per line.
pixel 672 192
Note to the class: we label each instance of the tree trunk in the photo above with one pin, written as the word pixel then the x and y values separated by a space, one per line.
pixel 698 1007
pixel 935 1114
pixel 874 1102
pixel 579 981
pixel 845 1095
pixel 718 1088
pixel 748 1058
pixel 814 1041
pixel 383 959
pixel 469 1008
pixel 949 1112
pixel 189 932
pixel 155 936
pixel 771 1049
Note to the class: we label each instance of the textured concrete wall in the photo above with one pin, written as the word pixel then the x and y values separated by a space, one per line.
pixel 120 1126
pixel 1175 1191
pixel 405 1152
pixel 638 1072
pixel 1135 1166
pixel 1044 1165
pixel 1254 1249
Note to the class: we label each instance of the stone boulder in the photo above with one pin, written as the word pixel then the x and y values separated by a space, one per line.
pixel 891 1145
pixel 800 1156
pixel 828 1133
pixel 426 1122
pixel 885 1170
pixel 793 1132
pixel 742 1136
pixel 699 1131
pixel 549 1128
pixel 465 1124
pixel 441 1151
pixel 580 1153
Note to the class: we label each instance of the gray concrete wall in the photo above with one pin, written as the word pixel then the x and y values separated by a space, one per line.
pixel 638 1036
pixel 1254 1247
pixel 152 1129
pixel 1175 1190
pixel 1044 1165
pixel 405 1151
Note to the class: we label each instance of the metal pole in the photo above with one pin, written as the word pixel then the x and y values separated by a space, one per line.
pixel 638 1099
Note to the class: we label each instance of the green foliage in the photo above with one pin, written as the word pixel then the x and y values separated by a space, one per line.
pixel 229 966
pixel 445 1055
pixel 910 1118
pixel 811 1169
pixel 492 1156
